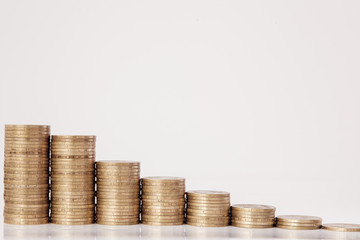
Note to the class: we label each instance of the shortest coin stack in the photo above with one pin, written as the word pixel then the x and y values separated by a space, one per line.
pixel 342 227
pixel 298 222
pixel 208 208
pixel 252 216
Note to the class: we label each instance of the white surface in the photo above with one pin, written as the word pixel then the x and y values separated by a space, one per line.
pixel 153 232
pixel 259 98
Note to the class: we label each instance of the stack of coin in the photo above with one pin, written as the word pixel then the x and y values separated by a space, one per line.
pixel 163 200
pixel 73 180
pixel 118 192
pixel 208 208
pixel 26 174
pixel 252 216
pixel 342 227
pixel 298 222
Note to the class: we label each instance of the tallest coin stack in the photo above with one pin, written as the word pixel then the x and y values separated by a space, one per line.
pixel 26 174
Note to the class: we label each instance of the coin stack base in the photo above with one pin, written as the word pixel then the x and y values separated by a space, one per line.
pixel 73 180
pixel 118 192
pixel 26 174
pixel 208 208
pixel 252 216
pixel 163 201
pixel 298 222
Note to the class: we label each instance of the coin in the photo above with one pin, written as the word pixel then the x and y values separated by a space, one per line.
pixel 342 227
pixel 299 219
pixel 297 227
pixel 244 225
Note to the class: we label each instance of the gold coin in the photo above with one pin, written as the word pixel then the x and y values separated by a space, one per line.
pixel 163 219
pixel 253 216
pixel 207 214
pixel 26 126
pixel 342 227
pixel 117 208
pixel 208 206
pixel 73 215
pixel 27 212
pixel 124 222
pixel 207 224
pixel 208 218
pixel 242 225
pixel 160 190
pixel 73 143
pixel 164 201
pixel 72 222
pixel 163 180
pixel 217 203
pixel 253 220
pixel 73 137
pixel 117 217
pixel 296 224
pixel 207 193
pixel 26 221
pixel 252 208
pixel 297 227
pixel 160 223
pixel 117 162
pixel 298 218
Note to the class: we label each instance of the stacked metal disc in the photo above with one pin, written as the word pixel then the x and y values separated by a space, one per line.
pixel 252 216
pixel 163 200
pixel 26 174
pixel 73 180
pixel 118 192
pixel 208 208
pixel 342 227
pixel 298 222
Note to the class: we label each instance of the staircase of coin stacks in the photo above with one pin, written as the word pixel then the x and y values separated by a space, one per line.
pixel 82 191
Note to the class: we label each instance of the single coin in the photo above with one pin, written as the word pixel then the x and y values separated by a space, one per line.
pixel 255 221
pixel 72 222
pixel 296 224
pixel 207 193
pixel 298 218
pixel 242 225
pixel 342 227
pixel 73 137
pixel 208 218
pixel 297 227
pixel 252 208
pixel 207 224
pixel 124 222
pixel 162 223
pixel 26 221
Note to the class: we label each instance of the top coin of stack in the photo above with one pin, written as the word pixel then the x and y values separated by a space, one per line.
pixel 342 227
pixel 26 174
pixel 298 222
pixel 118 192
pixel 73 180
pixel 252 216
pixel 208 208
pixel 163 200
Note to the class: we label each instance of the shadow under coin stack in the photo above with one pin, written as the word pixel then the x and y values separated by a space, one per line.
pixel 73 180
pixel 163 201
pixel 208 208
pixel 118 192
pixel 26 174
pixel 252 216
pixel 298 222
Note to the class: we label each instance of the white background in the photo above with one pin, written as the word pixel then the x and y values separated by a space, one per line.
pixel 258 98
